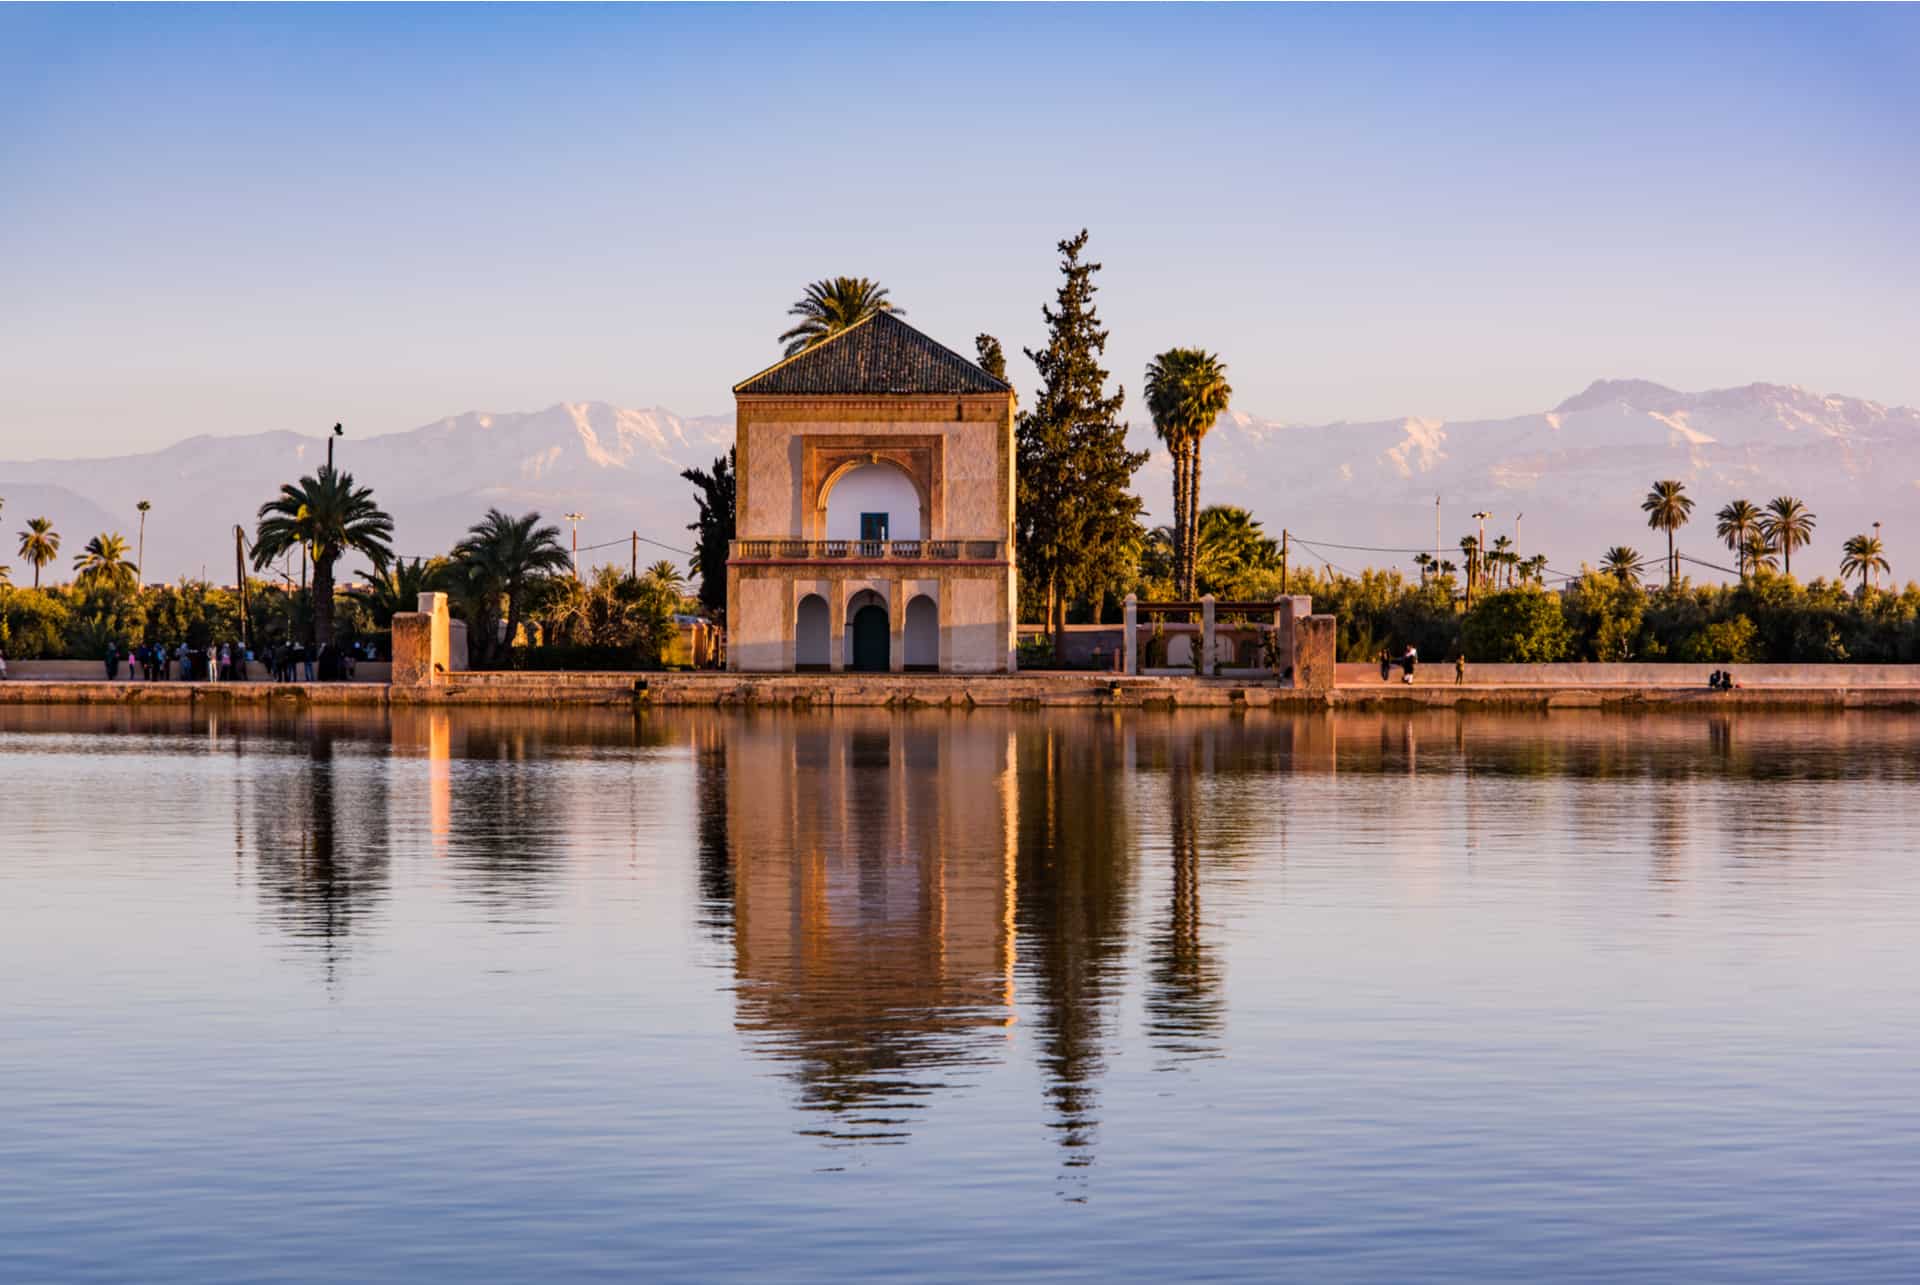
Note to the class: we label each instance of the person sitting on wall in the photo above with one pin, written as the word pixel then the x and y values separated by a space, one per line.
pixel 1408 662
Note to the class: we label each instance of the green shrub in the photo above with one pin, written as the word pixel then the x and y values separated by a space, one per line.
pixel 1516 626
pixel 1725 642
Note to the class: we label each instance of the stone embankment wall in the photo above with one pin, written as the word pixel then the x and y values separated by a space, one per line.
pixel 1441 673
pixel 94 671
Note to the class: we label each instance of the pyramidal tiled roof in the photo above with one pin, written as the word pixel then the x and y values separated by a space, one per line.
pixel 881 354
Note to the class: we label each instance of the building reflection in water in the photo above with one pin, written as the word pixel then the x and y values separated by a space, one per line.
pixel 871 904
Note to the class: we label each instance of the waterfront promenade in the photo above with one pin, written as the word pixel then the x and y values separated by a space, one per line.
pixel 1496 687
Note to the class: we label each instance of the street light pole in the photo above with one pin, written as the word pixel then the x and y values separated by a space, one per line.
pixel 337 432
pixel 576 519
pixel 1479 556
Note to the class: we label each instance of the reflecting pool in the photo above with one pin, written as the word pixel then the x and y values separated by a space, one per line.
pixel 775 996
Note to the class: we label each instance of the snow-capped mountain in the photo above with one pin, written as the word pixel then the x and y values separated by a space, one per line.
pixel 619 467
pixel 1577 473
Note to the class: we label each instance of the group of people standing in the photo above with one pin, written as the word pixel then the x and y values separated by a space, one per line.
pixel 159 663
pixel 228 663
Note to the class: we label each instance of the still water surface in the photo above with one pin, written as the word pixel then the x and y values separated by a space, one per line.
pixel 936 997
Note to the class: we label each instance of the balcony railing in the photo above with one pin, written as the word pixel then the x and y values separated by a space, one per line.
pixel 869 550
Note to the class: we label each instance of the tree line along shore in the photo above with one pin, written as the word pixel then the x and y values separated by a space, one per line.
pixel 1081 544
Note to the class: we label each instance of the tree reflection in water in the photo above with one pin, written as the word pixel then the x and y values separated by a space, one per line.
pixel 1185 1006
pixel 321 879
pixel 1075 861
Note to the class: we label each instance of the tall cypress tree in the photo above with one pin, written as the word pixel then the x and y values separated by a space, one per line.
pixel 992 359
pixel 713 531
pixel 1078 518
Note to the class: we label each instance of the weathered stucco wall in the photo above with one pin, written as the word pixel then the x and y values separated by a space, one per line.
pixel 976 638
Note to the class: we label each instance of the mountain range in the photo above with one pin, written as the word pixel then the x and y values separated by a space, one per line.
pixel 1577 473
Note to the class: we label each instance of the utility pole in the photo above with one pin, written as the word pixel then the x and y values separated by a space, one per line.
pixel 633 559
pixel 1283 562
pixel 240 578
pixel 1436 534
pixel 575 518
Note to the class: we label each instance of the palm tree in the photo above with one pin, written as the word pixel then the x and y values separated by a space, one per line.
pixel 39 544
pixel 1231 543
pixel 1503 560
pixel 1187 393
pixel 1668 507
pixel 1470 550
pixel 1788 526
pixel 329 516
pixel 1426 562
pixel 1757 554
pixel 1864 556
pixel 1733 524
pixel 145 507
pixel 667 575
pixel 104 562
pixel 501 555
pixel 1623 563
pixel 828 307
pixel 398 587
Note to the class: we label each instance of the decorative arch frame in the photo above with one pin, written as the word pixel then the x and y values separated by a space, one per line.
pixel 827 459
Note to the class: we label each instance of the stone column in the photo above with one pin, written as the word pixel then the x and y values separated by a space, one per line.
pixel 1130 633
pixel 1281 640
pixel 896 628
pixel 1313 654
pixel 420 644
pixel 1206 634
pixel 837 626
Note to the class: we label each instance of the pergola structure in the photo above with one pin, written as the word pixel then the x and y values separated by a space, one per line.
pixel 1302 641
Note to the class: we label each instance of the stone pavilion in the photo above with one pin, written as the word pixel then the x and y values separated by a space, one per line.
pixel 874 511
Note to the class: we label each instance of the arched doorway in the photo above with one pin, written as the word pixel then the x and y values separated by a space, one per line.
pixel 922 640
pixel 812 634
pixel 870 648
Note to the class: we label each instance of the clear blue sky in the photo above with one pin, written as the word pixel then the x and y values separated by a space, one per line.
pixel 226 220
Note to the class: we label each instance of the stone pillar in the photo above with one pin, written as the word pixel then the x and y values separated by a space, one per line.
pixel 837 626
pixel 421 656
pixel 1289 611
pixel 1206 635
pixel 896 628
pixel 1130 632
pixel 1313 654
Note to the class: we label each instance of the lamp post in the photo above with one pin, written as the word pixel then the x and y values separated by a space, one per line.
pixel 1479 556
pixel 337 432
pixel 140 564
pixel 1875 571
pixel 576 519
